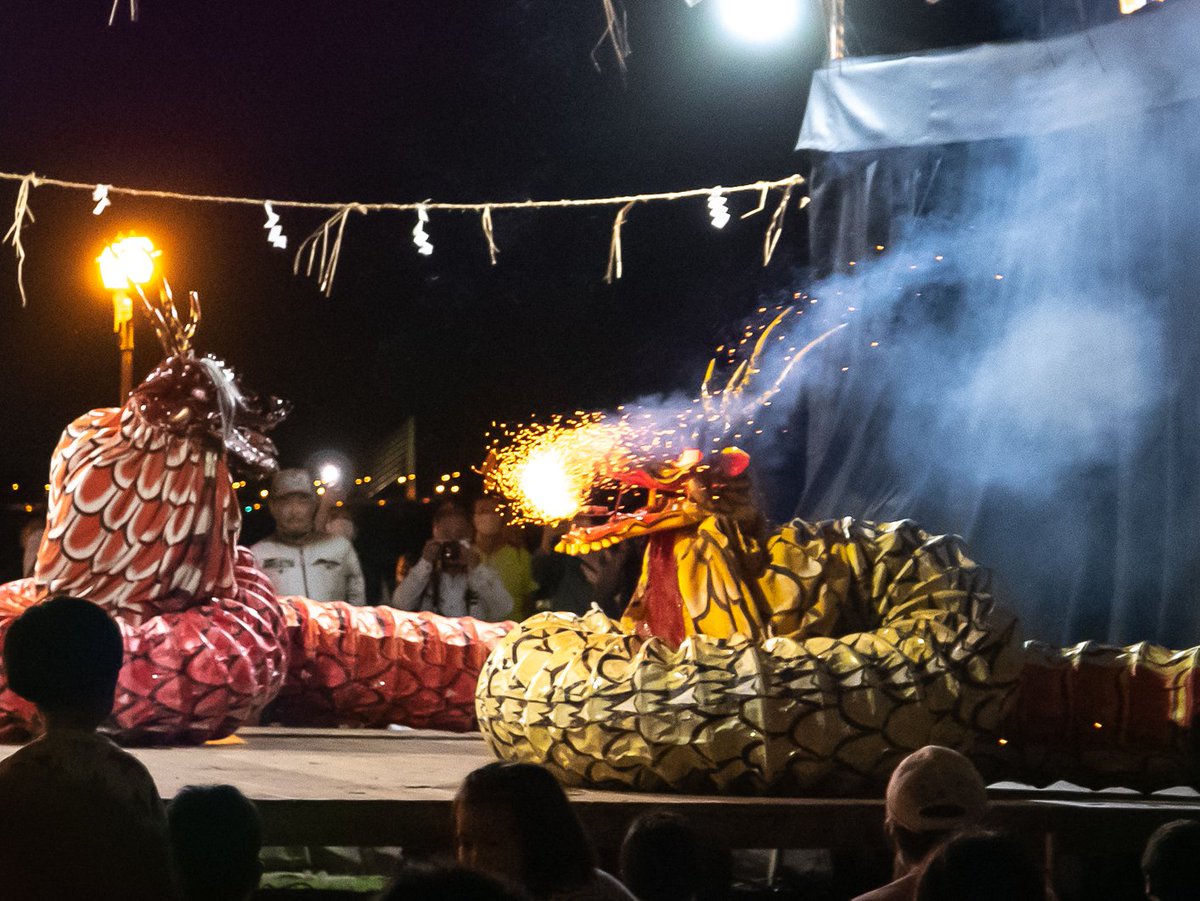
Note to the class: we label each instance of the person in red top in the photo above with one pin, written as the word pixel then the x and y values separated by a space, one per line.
pixel 84 817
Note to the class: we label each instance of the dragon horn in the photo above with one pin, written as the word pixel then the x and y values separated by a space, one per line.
pixel 706 387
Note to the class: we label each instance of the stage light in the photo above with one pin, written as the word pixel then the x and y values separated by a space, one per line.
pixel 759 21
pixel 330 474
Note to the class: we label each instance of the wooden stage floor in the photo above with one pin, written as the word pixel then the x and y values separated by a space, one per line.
pixel 368 787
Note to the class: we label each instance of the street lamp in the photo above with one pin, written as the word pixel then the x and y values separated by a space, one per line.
pixel 127 262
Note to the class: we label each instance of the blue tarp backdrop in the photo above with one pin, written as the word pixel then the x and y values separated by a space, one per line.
pixel 1011 232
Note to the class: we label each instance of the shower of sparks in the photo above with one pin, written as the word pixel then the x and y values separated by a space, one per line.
pixel 551 471
pixel 548 471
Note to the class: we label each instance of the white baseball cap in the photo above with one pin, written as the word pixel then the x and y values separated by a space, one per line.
pixel 292 481
pixel 936 789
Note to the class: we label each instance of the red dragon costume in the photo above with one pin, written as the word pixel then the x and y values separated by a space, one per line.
pixel 143 520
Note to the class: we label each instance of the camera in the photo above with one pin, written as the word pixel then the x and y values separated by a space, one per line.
pixel 450 552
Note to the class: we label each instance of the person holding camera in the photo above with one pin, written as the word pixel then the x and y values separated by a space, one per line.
pixel 450 578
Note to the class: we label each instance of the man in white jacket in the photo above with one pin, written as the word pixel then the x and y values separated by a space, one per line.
pixel 299 559
pixel 450 577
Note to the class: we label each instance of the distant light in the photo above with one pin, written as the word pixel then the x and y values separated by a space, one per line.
pixel 446 478
pixel 264 493
pixel 330 474
pixel 759 21
pixel 439 488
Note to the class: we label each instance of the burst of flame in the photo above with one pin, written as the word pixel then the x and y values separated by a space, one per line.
pixel 547 471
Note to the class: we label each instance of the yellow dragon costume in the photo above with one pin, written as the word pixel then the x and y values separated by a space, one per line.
pixel 813 658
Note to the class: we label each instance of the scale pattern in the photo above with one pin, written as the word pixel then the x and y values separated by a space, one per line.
pixel 371 666
pixel 823 710
pixel 143 520
pixel 139 520
pixel 1102 716
pixel 189 676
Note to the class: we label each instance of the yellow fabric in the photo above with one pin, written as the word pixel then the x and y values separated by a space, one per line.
pixel 516 572
pixel 884 641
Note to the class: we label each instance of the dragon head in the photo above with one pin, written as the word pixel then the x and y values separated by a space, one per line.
pixel 551 472
pixel 679 493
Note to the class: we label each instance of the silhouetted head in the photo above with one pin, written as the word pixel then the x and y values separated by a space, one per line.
pixel 449 884
pixel 934 793
pixel 514 821
pixel 64 655
pixel 663 859
pixel 216 836
pixel 981 866
pixel 1171 861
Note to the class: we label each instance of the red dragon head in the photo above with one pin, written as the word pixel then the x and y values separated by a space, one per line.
pixel 141 515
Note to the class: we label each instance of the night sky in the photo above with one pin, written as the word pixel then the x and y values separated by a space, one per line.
pixel 370 101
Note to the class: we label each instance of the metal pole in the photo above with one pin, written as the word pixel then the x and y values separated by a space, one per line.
pixel 123 326
pixel 835 19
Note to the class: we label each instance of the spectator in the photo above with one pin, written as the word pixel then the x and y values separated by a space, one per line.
pixel 449 578
pixel 299 559
pixel 448 884
pixel 496 547
pixel 662 859
pixel 513 821
pixel 933 794
pixel 1171 862
pixel 607 577
pixel 981 866
pixel 216 837
pixel 85 819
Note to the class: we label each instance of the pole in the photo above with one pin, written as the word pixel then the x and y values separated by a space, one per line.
pixel 123 326
pixel 835 18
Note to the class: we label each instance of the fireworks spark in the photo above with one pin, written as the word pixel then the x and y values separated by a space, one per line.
pixel 547 472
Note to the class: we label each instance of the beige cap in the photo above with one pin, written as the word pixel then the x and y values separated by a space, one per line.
pixel 292 481
pixel 936 789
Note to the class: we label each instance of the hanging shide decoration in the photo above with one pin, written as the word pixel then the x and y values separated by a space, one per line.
pixel 100 195
pixel 318 254
pixel 718 208
pixel 420 236
pixel 275 233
